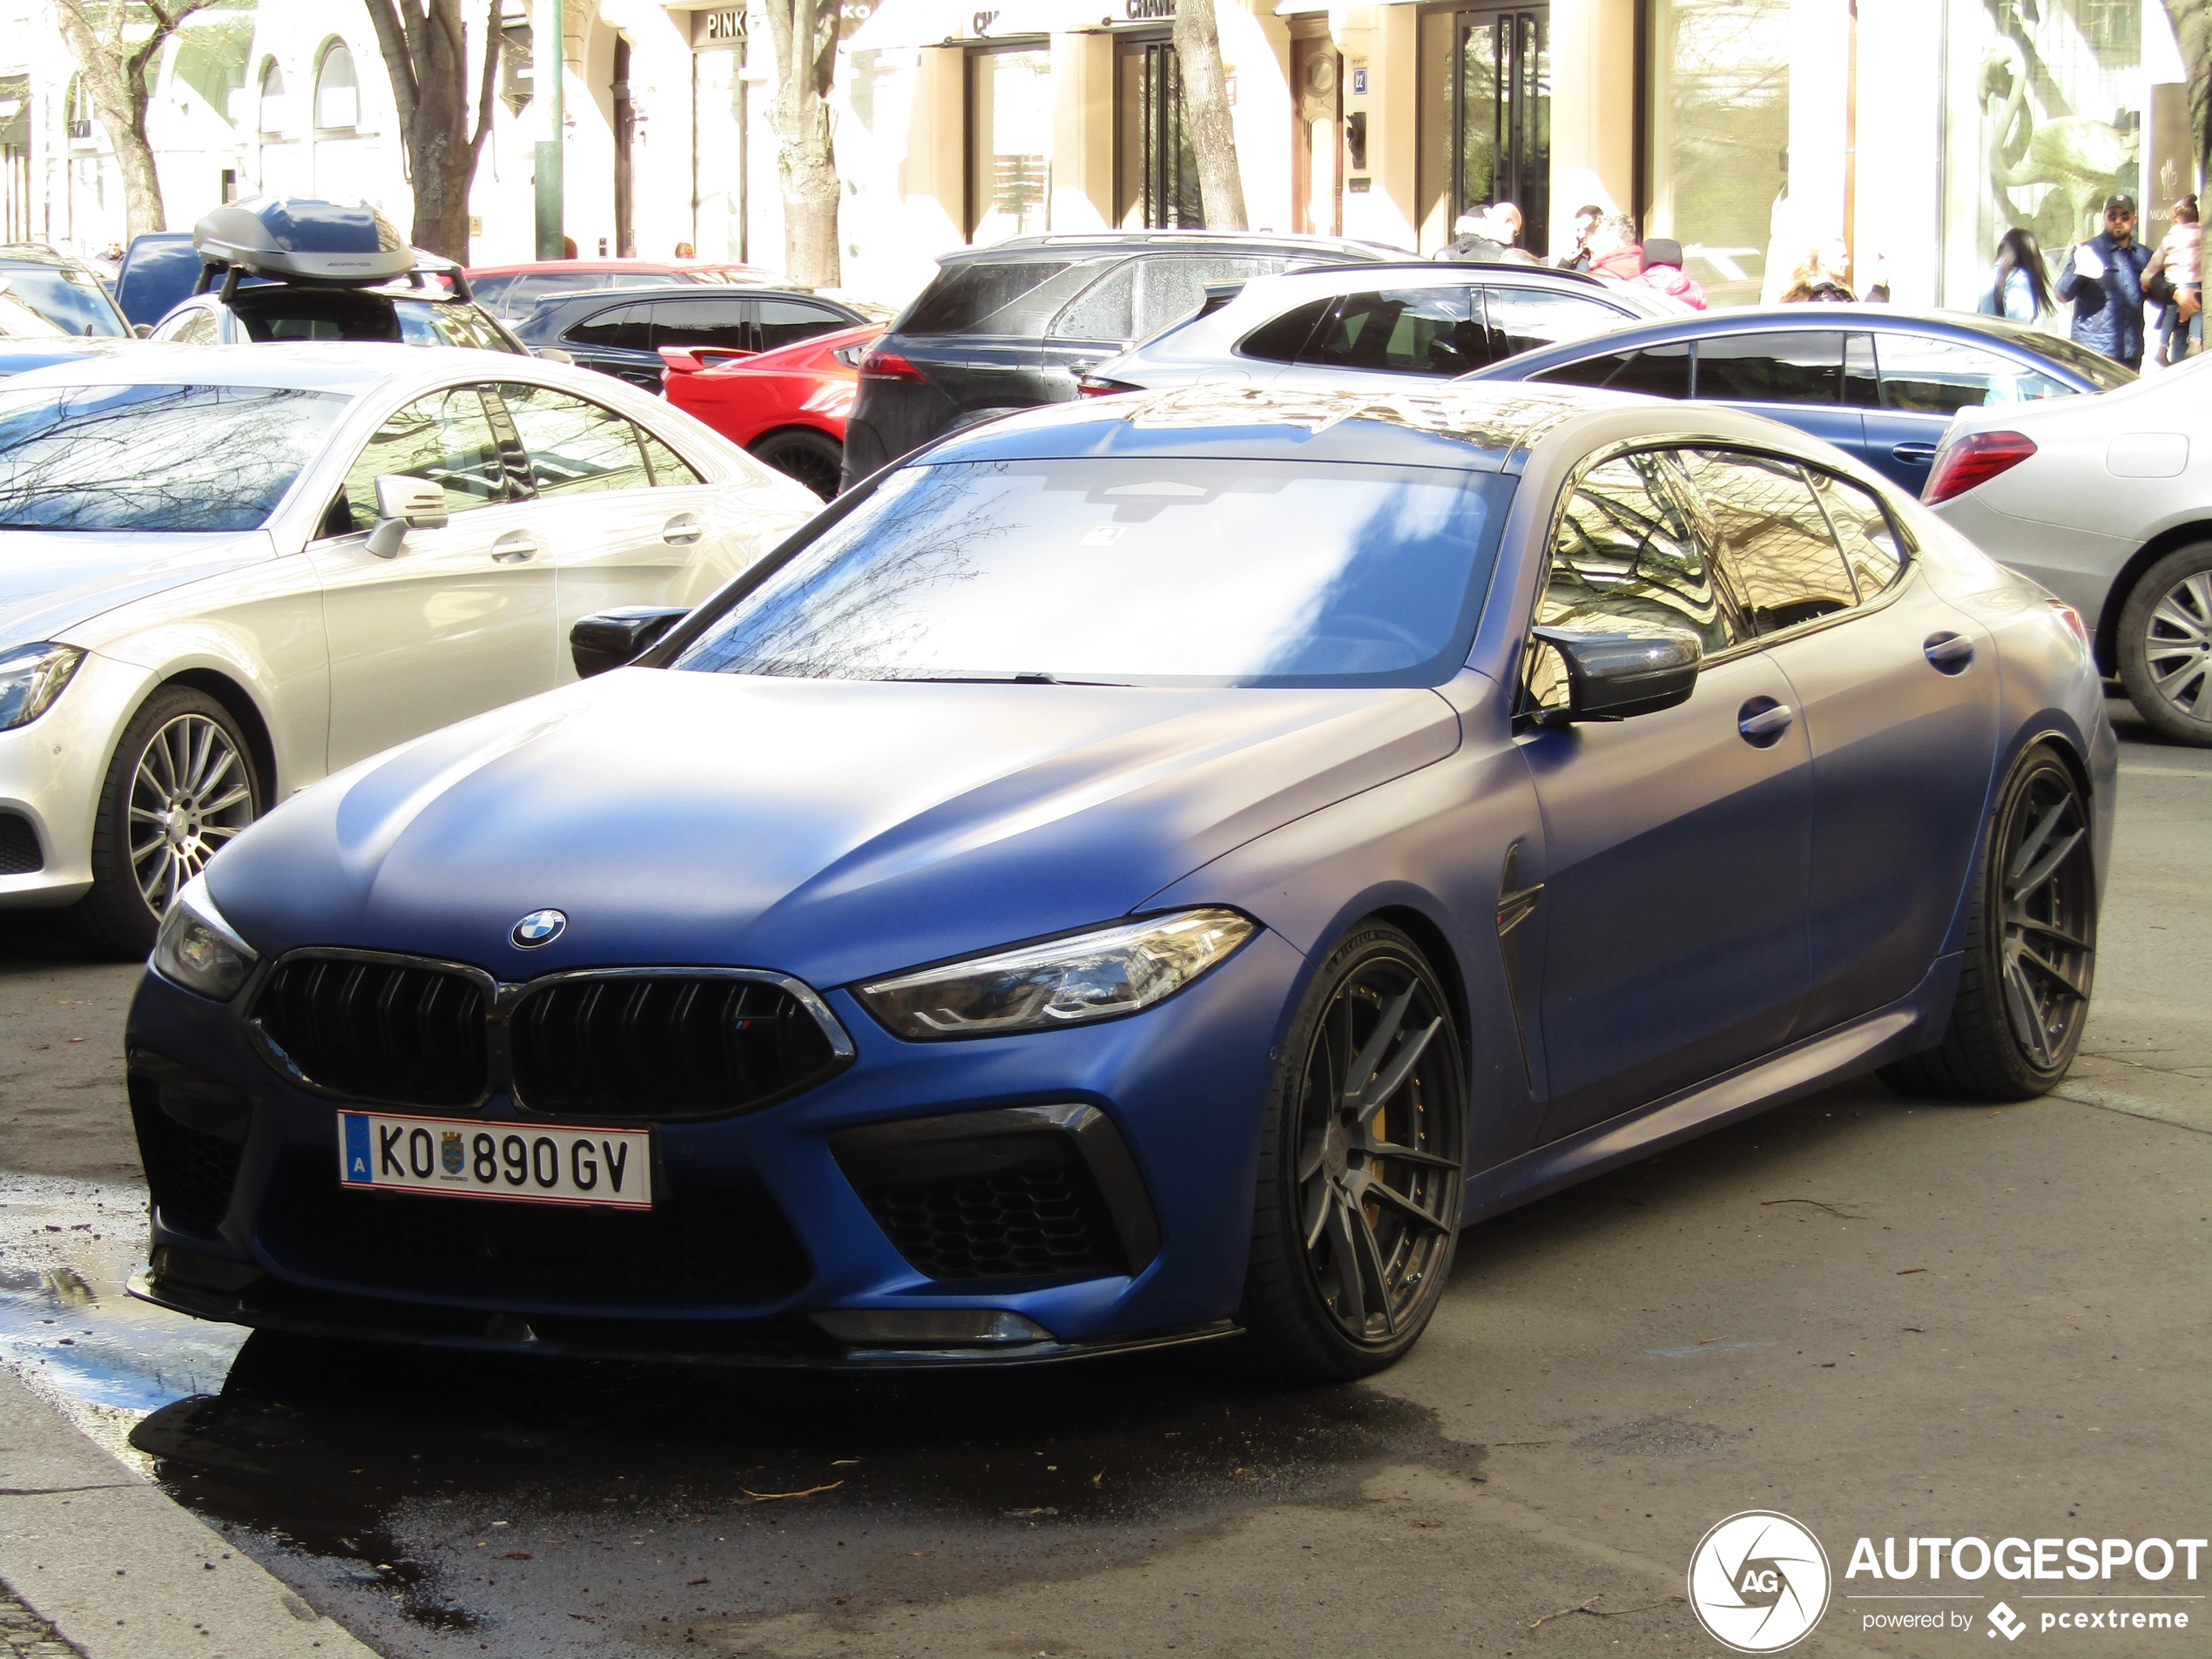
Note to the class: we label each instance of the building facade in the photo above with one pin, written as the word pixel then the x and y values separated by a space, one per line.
pixel 1915 130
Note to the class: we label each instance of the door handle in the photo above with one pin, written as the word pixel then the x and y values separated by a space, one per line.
pixel 994 368
pixel 683 530
pixel 1915 455
pixel 514 546
pixel 1761 721
pixel 1951 653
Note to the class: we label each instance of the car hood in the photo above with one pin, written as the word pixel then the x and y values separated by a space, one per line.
pixel 831 829
pixel 51 581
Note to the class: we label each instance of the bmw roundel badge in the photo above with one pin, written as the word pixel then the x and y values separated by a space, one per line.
pixel 539 927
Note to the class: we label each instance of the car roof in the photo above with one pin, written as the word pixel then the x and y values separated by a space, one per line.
pixel 1044 247
pixel 1874 318
pixel 35 253
pixel 347 368
pixel 597 267
pixel 688 291
pixel 1479 428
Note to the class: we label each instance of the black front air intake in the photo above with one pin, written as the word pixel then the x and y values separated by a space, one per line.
pixel 19 854
pixel 664 1046
pixel 378 1031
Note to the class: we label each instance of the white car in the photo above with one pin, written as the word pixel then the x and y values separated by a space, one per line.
pixel 2107 501
pixel 227 571
pixel 1376 327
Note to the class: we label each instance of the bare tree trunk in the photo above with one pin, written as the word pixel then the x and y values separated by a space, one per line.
pixel 118 76
pixel 1205 97
pixel 2192 20
pixel 805 36
pixel 426 54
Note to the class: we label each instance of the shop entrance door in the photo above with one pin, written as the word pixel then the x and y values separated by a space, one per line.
pixel 1156 178
pixel 1317 137
pixel 1495 104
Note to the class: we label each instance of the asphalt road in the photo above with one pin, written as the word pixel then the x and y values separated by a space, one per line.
pixel 1881 1317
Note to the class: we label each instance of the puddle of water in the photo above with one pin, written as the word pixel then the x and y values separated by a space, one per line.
pixel 67 1326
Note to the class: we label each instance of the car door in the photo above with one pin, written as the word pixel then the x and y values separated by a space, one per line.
pixel 614 339
pixel 716 321
pixel 458 620
pixel 1389 340
pixel 1676 842
pixel 1898 694
pixel 1793 375
pixel 778 321
pixel 625 520
pixel 1925 379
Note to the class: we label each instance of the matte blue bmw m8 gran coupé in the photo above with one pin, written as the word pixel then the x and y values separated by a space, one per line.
pixel 1144 872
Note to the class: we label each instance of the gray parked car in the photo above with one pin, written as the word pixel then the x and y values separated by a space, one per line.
pixel 1376 327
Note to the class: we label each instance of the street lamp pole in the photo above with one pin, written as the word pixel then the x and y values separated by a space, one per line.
pixel 548 59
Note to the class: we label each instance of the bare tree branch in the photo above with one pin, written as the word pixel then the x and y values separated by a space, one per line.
pixel 118 77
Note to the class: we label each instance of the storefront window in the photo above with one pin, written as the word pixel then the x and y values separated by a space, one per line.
pixel 1486 117
pixel 1009 142
pixel 2045 119
pixel 1158 175
pixel 1718 149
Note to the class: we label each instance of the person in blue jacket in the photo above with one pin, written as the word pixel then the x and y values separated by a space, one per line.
pixel 2104 279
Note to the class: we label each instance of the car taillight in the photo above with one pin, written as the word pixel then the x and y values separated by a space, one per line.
pixel 889 366
pixel 1973 459
pixel 1098 386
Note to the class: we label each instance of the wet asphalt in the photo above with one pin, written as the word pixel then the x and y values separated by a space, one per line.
pixel 1861 1310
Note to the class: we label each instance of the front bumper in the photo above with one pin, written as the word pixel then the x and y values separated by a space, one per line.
pixel 1178 1093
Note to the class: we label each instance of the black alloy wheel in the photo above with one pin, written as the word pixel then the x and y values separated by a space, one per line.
pixel 2031 947
pixel 814 458
pixel 2165 641
pixel 1362 1172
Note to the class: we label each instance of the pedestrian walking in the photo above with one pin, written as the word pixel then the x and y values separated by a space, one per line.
pixel 2103 280
pixel 1585 218
pixel 2020 288
pixel 1663 270
pixel 1824 275
pixel 1616 255
pixel 2176 271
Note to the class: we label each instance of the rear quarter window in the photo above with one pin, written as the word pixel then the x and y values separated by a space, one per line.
pixel 998 296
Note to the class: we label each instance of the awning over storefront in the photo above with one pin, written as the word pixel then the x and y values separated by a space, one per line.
pixel 939 22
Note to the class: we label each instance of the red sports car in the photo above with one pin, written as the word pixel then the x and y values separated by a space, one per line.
pixel 787 406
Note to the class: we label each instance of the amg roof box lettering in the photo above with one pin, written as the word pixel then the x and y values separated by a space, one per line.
pixel 315 240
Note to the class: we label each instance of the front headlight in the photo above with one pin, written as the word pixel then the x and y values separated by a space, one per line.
pixel 195 947
pixel 31 678
pixel 1064 981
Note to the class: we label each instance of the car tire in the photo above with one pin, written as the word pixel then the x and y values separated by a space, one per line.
pixel 171 798
pixel 1341 1279
pixel 2166 633
pixel 2031 947
pixel 814 458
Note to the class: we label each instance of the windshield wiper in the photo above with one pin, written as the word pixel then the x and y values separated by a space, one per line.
pixel 992 679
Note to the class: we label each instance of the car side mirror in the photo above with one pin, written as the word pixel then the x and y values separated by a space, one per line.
pixel 1612 676
pixel 552 354
pixel 613 638
pixel 142 329
pixel 404 504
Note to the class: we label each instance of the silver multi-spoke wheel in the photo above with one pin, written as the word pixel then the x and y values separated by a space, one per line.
pixel 190 794
pixel 2047 944
pixel 1363 1168
pixel 2177 645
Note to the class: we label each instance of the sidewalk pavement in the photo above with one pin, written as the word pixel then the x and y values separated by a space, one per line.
pixel 121 1571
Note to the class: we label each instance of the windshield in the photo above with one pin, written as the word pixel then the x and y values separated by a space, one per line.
pixel 445 323
pixel 2094 366
pixel 68 298
pixel 1132 571
pixel 155 457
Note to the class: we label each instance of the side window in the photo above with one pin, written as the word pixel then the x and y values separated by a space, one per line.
pixel 1869 540
pixel 446 439
pixel 1406 331
pixel 619 326
pixel 575 447
pixel 1925 376
pixel 1284 340
pixel 1776 546
pixel 719 321
pixel 1524 318
pixel 1798 367
pixel 784 322
pixel 670 469
pixel 448 324
pixel 1656 371
pixel 1168 290
pixel 1628 559
pixel 197 326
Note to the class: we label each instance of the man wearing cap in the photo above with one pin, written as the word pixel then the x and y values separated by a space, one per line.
pixel 2104 279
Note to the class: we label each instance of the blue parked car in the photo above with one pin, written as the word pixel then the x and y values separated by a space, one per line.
pixel 1144 872
pixel 1878 383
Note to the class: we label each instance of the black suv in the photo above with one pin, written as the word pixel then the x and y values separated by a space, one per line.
pixel 620 331
pixel 1010 326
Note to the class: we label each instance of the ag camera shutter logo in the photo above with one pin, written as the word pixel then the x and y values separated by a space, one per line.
pixel 1759 1581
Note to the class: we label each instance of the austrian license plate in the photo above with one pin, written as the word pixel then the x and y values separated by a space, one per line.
pixel 470 1158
